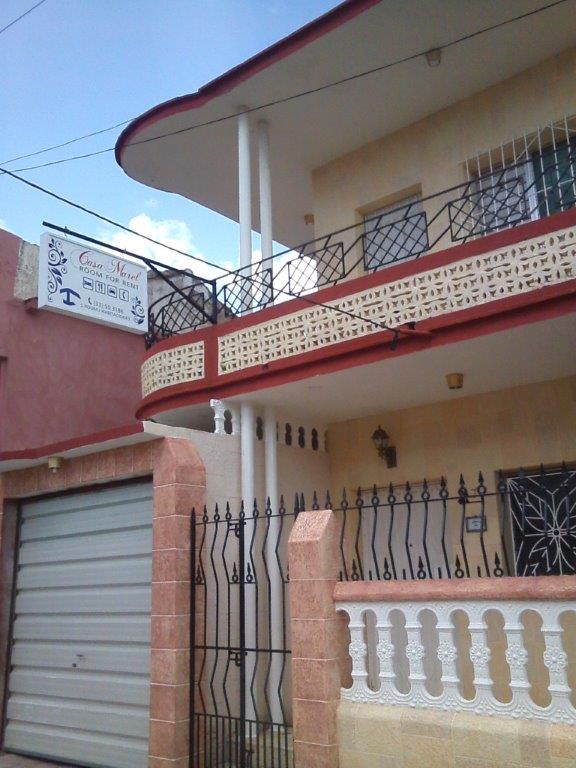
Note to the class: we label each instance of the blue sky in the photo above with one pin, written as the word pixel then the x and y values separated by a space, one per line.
pixel 74 66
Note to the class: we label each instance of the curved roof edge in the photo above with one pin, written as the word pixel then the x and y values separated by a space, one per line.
pixel 280 50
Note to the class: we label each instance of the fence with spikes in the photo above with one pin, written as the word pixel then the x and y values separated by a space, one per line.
pixel 525 524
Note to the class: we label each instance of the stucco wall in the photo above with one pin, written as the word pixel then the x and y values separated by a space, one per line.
pixel 428 156
pixel 507 429
pixel 397 737
pixel 60 378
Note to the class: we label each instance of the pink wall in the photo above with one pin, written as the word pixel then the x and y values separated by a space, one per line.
pixel 60 378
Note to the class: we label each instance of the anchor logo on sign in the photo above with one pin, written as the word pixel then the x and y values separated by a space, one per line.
pixel 68 293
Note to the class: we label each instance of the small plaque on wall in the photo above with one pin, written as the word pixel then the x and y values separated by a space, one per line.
pixel 476 524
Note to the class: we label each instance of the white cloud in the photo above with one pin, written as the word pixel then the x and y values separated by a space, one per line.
pixel 174 233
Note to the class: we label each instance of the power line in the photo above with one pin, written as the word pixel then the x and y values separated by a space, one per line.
pixel 275 102
pixel 16 20
pixel 225 272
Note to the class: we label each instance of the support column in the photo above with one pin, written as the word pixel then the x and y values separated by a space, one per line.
pixel 247 449
pixel 265 190
pixel 275 597
pixel 319 647
pixel 244 191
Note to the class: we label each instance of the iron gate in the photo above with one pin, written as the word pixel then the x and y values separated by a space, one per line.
pixel 240 657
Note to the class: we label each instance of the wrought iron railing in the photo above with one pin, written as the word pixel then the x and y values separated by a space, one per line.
pixel 524 525
pixel 500 199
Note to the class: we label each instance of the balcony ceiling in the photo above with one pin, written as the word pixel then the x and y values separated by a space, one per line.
pixel 310 131
pixel 528 353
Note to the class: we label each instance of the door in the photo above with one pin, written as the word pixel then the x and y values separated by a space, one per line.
pixel 79 678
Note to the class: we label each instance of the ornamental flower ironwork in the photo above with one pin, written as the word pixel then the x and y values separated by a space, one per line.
pixel 555 659
pixel 414 651
pixel 385 651
pixel 446 652
pixel 516 657
pixel 56 266
pixel 480 654
pixel 357 650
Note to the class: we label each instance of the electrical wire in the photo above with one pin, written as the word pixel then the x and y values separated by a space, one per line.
pixel 225 272
pixel 272 103
pixel 22 15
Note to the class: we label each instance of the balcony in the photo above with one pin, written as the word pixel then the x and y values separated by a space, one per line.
pixel 501 242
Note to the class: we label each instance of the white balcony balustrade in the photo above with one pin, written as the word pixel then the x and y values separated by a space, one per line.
pixel 506 655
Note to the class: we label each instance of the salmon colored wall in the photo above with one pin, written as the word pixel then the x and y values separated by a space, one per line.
pixel 60 378
pixel 429 155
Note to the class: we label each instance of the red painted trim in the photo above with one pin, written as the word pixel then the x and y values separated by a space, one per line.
pixel 540 304
pixel 390 274
pixel 466 590
pixel 544 304
pixel 77 442
pixel 229 80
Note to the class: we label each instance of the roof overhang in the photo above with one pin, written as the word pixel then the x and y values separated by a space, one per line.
pixel 307 132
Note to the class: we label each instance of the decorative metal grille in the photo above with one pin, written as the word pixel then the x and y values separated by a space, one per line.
pixel 543 514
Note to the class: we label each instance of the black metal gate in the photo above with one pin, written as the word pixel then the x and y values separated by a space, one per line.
pixel 240 657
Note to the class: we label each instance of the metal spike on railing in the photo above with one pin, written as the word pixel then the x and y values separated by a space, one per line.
pixel 375 499
pixel 216 517
pixel 391 496
pixel 344 504
pixel 355 575
pixel 501 482
pixel 443 488
pixel 408 493
pixel 359 498
pixel 315 506
pixel 458 572
pixel 481 487
pixel 282 507
pixel 420 573
pixel 302 503
pixel 425 491
pixel 242 514
pixel 498 571
pixel 328 502
pixel 255 511
pixel 249 575
pixel 205 515
pixel 386 575
pixel 268 510
pixel 235 578
pixel 228 515
pixel 199 580
pixel 296 505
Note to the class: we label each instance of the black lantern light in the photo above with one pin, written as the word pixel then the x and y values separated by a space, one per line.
pixel 381 440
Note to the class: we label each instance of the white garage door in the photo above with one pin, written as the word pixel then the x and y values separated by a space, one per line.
pixel 79 681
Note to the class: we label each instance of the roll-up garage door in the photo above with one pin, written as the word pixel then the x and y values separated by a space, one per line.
pixel 79 678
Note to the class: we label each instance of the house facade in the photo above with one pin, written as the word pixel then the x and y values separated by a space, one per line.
pixel 382 410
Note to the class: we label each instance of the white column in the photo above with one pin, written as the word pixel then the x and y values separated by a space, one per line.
pixel 276 596
pixel 219 418
pixel 247 444
pixel 244 191
pixel 265 186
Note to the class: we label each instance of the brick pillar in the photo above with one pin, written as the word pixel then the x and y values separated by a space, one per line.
pixel 179 486
pixel 318 645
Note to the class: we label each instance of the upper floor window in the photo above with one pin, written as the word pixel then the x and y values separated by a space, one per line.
pixel 528 178
pixel 395 233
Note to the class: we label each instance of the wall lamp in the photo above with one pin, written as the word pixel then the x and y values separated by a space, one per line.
pixel 55 463
pixel 381 440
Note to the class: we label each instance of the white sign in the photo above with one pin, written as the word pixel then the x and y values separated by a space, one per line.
pixel 93 285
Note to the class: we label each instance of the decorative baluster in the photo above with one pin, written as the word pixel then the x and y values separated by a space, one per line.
pixel 447 652
pixel 517 658
pixel 385 651
pixel 358 653
pixel 480 657
pixel 555 659
pixel 415 654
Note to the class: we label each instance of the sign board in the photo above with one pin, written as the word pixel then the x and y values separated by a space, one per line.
pixel 92 285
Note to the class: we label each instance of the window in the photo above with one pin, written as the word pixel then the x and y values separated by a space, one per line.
pixel 395 233
pixel 555 172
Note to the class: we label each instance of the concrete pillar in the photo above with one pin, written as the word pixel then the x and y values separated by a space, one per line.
pixel 244 191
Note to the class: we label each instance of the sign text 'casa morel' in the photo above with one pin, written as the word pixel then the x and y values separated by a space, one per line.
pixel 92 285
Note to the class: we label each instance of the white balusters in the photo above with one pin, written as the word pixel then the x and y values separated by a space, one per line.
pixel 516 656
pixel 421 645
pixel 480 653
pixel 447 652
pixel 556 659
pixel 415 651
